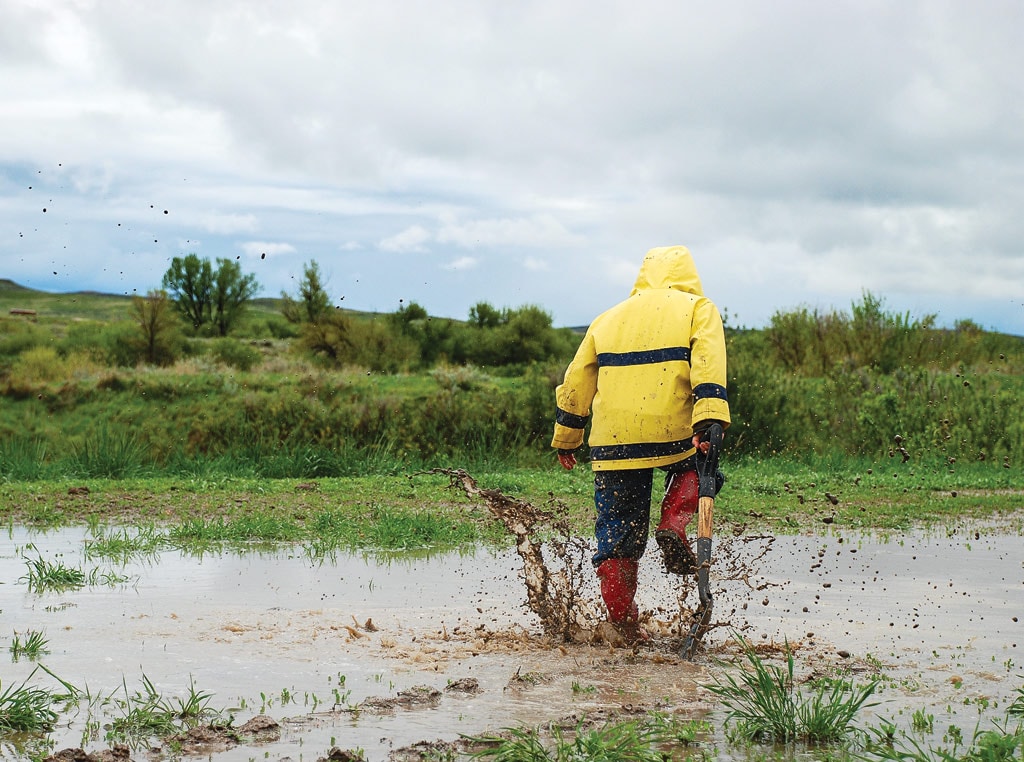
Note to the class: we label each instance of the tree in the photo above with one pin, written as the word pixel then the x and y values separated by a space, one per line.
pixel 313 303
pixel 483 315
pixel 328 336
pixel 527 335
pixel 231 292
pixel 204 295
pixel 189 281
pixel 157 328
pixel 408 316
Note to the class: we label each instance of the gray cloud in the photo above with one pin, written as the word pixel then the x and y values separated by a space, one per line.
pixel 804 151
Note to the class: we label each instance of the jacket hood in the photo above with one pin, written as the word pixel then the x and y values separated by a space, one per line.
pixel 668 267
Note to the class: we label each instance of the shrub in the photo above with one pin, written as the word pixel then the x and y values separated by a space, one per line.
pixel 235 354
pixel 37 366
pixel 17 336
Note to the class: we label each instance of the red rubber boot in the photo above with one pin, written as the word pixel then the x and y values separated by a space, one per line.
pixel 618 588
pixel 677 510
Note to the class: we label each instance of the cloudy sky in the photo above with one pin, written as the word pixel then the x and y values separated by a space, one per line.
pixel 449 152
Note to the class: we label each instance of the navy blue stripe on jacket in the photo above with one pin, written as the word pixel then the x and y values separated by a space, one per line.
pixel 642 357
pixel 710 391
pixel 640 450
pixel 570 420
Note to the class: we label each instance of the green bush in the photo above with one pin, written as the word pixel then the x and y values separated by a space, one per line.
pixel 17 336
pixel 813 343
pixel 373 345
pixel 235 354
pixel 37 365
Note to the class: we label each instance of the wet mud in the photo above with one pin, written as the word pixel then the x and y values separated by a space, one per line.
pixel 403 658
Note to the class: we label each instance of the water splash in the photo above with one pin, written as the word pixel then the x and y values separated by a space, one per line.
pixel 557 569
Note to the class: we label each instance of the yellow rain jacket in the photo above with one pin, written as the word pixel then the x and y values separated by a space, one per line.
pixel 649 369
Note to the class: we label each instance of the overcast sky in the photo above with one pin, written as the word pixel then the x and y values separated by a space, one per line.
pixel 522 152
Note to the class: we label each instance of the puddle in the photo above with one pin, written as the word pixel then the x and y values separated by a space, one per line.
pixel 281 634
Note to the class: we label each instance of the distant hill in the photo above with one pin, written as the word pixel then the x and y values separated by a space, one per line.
pixel 97 305
pixel 9 286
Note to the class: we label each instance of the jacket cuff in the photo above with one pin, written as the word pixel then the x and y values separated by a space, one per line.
pixel 711 408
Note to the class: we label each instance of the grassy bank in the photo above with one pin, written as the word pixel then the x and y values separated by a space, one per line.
pixel 405 510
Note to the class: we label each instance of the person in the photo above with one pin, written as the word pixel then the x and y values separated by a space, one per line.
pixel 650 375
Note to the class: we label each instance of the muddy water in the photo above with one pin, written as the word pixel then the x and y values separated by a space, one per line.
pixel 937 615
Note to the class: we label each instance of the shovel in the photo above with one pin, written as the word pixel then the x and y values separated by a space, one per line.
pixel 707 468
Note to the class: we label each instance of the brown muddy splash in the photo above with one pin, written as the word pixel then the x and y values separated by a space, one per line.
pixel 553 559
pixel 556 567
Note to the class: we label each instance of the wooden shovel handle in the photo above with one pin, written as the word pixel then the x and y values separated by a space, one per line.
pixel 706 507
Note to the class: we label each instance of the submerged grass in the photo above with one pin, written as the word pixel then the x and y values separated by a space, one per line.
pixel 765 706
pixel 30 644
pixel 324 530
pixel 123 544
pixel 44 575
pixel 28 708
pixel 55 576
pixel 1017 707
pixel 642 740
pixel 1002 742
pixel 146 713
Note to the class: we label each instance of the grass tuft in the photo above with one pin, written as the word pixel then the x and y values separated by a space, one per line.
pixel 1016 709
pixel 46 575
pixel 56 576
pixel 107 455
pixel 764 705
pixel 30 645
pixel 29 709
pixel 146 713
pixel 21 459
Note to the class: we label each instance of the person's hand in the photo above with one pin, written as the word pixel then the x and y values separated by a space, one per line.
pixel 698 437
pixel 567 458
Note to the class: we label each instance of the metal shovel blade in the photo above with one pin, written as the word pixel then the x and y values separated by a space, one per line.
pixel 702 617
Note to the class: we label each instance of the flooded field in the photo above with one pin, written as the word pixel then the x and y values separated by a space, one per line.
pixel 381 653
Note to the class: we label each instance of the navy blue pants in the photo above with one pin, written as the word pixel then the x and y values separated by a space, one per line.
pixel 623 502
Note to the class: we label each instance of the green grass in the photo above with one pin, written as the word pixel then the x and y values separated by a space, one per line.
pixel 1016 709
pixel 765 706
pixel 44 575
pixel 621 741
pixel 408 508
pixel 30 644
pixel 1001 742
pixel 106 454
pixel 20 458
pixel 123 544
pixel 55 309
pixel 146 713
pixel 324 530
pixel 55 576
pixel 28 708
